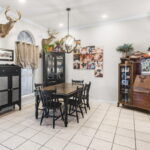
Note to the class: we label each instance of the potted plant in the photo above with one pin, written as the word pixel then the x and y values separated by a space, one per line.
pixel 125 49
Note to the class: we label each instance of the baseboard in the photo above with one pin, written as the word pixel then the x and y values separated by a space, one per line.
pixel 103 101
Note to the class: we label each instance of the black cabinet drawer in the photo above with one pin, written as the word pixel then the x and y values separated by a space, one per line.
pixel 9 71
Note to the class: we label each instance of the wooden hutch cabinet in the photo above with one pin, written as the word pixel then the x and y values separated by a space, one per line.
pixel 10 86
pixel 134 88
pixel 53 68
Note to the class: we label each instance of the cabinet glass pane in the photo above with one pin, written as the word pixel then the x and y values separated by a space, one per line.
pixel 15 95
pixel 3 83
pixel 3 98
pixel 51 67
pixel 59 67
pixel 15 81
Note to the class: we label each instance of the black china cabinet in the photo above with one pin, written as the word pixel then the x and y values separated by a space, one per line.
pixel 53 68
pixel 10 86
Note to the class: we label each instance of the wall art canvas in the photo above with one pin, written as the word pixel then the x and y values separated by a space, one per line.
pixel 6 55
pixel 76 61
pixel 89 58
pixel 98 58
pixel 78 47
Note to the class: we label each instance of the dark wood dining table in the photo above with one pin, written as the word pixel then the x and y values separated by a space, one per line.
pixel 64 91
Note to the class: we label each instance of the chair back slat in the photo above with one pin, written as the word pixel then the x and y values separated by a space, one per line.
pixel 77 82
pixel 86 89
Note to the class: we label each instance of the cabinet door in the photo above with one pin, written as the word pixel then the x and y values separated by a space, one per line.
pixel 51 67
pixel 60 67
pixel 15 88
pixel 4 90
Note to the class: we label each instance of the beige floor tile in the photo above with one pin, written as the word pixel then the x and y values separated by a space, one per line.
pixel 125 141
pixel 6 125
pixel 41 138
pixel 110 122
pixel 16 128
pixel 107 128
pixel 87 131
pixel 56 143
pixel 143 136
pixel 44 148
pixel 3 148
pixel 29 146
pixel 125 132
pixel 107 136
pixel 141 145
pixel 66 135
pixel 4 135
pixel 14 142
pixel 126 125
pixel 73 146
pixel 100 145
pixel 28 133
pixel 81 140
pixel 50 130
pixel 119 147
pixel 92 124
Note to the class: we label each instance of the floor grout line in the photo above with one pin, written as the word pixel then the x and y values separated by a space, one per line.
pixel 99 126
pixel 116 128
pixel 134 130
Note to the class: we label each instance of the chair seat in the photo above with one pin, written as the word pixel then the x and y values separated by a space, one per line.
pixel 54 105
pixel 73 102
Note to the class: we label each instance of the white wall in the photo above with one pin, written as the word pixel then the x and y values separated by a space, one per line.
pixel 110 36
pixel 9 41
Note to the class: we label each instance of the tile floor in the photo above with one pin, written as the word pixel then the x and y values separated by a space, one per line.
pixel 104 127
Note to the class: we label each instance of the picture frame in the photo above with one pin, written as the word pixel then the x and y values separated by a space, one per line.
pixel 6 55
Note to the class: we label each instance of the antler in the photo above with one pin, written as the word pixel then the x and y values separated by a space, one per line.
pixel 7 9
pixel 52 33
pixel 9 18
pixel 19 14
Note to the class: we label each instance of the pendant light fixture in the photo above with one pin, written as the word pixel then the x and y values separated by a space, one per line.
pixel 69 42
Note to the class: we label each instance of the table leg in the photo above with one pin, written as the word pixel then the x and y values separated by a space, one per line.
pixel 66 111
pixel 36 107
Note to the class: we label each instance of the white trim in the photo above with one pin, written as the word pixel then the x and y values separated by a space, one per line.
pixel 27 96
pixel 104 101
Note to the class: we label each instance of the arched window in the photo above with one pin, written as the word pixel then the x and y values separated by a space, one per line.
pixel 26 37
pixel 27 76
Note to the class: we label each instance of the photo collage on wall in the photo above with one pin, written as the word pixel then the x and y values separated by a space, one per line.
pixel 89 57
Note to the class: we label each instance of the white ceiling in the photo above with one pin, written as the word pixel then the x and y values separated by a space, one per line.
pixel 49 13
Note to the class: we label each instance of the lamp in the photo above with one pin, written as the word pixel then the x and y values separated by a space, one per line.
pixel 69 42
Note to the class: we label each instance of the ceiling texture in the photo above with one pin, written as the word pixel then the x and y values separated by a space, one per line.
pixel 50 13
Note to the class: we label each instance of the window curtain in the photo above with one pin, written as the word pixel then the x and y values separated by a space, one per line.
pixel 27 55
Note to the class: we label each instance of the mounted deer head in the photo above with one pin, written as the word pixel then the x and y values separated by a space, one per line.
pixel 52 36
pixel 5 28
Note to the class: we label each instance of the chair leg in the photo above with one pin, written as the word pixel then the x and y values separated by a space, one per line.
pixel 70 109
pixel 81 111
pixel 53 118
pixel 77 114
pixel 42 118
pixel 61 114
pixel 88 103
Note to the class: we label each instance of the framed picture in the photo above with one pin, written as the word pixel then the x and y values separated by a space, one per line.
pixel 6 55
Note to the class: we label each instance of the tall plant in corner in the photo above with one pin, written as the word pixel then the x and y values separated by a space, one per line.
pixel 125 49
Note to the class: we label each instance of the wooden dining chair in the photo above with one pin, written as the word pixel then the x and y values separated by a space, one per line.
pixel 50 102
pixel 85 96
pixel 77 82
pixel 75 104
pixel 38 100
